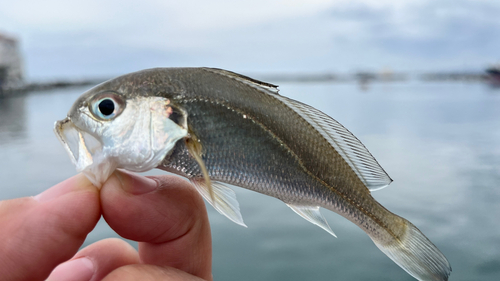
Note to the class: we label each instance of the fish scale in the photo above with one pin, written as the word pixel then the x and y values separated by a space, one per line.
pixel 295 132
pixel 255 145
pixel 252 152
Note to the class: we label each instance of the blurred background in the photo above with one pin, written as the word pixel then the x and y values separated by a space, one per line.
pixel 416 81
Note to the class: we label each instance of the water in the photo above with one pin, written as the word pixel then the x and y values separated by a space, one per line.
pixel 440 142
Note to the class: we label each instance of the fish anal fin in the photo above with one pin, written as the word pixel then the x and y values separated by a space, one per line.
pixel 223 199
pixel 313 215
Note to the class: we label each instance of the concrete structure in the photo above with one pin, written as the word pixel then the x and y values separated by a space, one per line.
pixel 11 71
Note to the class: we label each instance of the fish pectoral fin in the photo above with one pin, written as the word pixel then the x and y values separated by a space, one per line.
pixel 224 199
pixel 312 214
pixel 194 148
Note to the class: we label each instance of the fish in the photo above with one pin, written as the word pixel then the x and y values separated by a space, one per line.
pixel 219 129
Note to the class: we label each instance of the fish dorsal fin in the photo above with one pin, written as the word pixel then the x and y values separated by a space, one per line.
pixel 268 87
pixel 347 145
pixel 312 215
pixel 224 199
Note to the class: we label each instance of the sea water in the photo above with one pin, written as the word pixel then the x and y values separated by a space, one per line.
pixel 440 142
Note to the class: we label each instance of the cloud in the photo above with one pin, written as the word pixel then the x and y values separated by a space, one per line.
pixel 113 36
pixel 187 14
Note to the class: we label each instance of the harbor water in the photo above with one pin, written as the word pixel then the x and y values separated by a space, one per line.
pixel 439 141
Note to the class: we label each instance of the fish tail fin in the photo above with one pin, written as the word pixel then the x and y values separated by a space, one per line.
pixel 417 255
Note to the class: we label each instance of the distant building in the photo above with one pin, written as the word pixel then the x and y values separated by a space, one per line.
pixel 11 71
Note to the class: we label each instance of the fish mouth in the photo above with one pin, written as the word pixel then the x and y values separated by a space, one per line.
pixel 85 151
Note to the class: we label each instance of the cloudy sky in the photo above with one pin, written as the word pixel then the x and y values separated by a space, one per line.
pixel 62 39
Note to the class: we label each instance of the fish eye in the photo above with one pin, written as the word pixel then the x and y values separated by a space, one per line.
pixel 107 106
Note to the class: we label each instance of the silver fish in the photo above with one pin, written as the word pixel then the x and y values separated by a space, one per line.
pixel 217 127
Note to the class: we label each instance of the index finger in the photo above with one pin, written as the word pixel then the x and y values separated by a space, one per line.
pixel 166 215
pixel 38 233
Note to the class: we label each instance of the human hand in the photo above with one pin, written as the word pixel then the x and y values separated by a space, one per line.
pixel 166 215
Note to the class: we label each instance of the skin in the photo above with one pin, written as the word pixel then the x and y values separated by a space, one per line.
pixel 41 235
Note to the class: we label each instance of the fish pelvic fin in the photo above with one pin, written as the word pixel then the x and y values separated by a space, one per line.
pixel 417 255
pixel 194 147
pixel 223 200
pixel 312 215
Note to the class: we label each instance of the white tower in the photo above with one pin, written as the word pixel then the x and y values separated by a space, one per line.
pixel 11 71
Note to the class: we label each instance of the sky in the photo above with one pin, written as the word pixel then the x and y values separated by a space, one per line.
pixel 95 38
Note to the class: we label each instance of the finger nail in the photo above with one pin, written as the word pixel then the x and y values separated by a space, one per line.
pixel 81 269
pixel 135 184
pixel 62 188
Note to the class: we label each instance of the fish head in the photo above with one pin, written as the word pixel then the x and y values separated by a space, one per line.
pixel 114 127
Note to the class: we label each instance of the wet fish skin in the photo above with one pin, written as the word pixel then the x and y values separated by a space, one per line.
pixel 250 136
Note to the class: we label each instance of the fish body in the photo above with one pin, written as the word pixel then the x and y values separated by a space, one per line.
pixel 217 127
